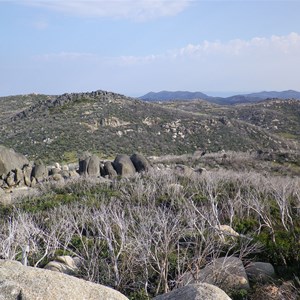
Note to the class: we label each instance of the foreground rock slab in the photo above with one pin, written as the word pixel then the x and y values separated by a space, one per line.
pixel 20 282
pixel 198 291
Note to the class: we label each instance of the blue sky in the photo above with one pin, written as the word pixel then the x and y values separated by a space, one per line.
pixel 136 46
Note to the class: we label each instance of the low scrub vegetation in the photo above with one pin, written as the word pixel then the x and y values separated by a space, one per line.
pixel 142 235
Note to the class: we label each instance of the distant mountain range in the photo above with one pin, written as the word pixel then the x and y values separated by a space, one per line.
pixel 244 98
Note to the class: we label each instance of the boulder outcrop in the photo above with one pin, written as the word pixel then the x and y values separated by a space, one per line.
pixel 28 175
pixel 10 160
pixel 20 282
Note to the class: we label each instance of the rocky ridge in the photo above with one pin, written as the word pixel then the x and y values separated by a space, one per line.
pixel 56 128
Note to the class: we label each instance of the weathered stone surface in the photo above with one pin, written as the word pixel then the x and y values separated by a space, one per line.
pixel 93 168
pixel 184 170
pixel 57 166
pixel 65 168
pixel 260 272
pixel 57 177
pixel 123 165
pixel 63 264
pixel 73 174
pixel 39 171
pixel 20 282
pixel 83 163
pixel 109 169
pixel 54 171
pixel 10 179
pixel 5 198
pixel 198 291
pixel 65 174
pixel 225 272
pixel 10 291
pixel 27 170
pixel 19 177
pixel 10 160
pixel 140 162
pixel 33 182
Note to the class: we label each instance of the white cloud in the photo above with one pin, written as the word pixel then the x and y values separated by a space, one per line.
pixel 275 44
pixel 260 63
pixel 268 48
pixel 40 25
pixel 139 10
pixel 65 56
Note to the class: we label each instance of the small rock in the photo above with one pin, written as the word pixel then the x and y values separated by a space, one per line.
pixel 63 264
pixel 226 273
pixel 57 177
pixel 260 272
pixel 198 291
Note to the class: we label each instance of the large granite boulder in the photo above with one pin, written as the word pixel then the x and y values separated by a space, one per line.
pixel 123 165
pixel 198 291
pixel 27 170
pixel 93 168
pixel 10 160
pixel 140 162
pixel 83 163
pixel 20 282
